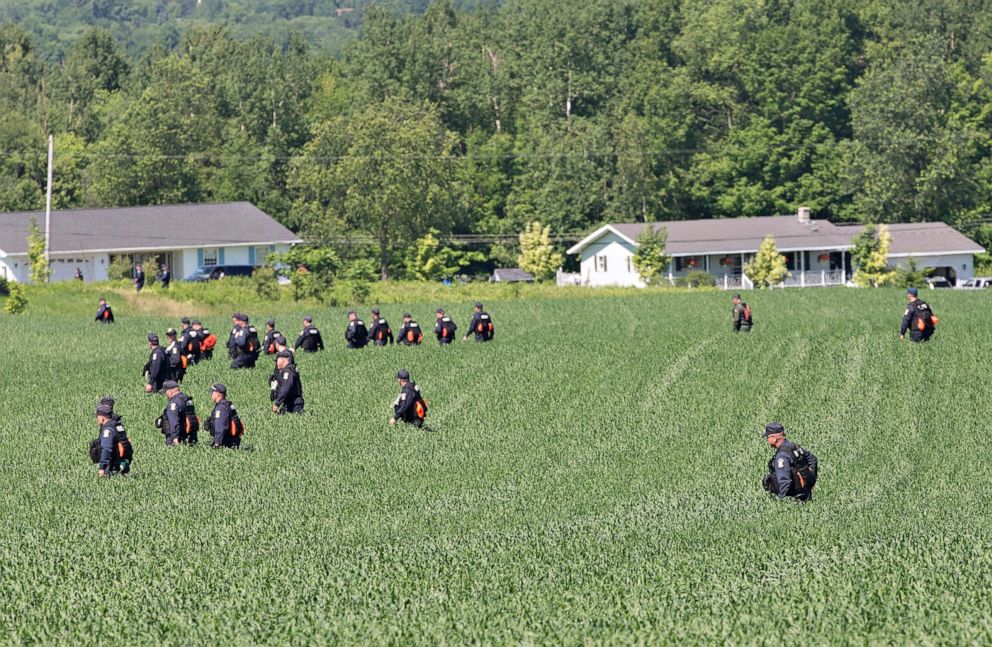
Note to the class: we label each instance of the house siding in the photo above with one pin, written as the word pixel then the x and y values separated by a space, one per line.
pixel 618 254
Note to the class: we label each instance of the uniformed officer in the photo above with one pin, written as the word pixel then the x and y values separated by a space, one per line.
pixel 741 315
pixel 231 350
pixel 115 452
pixel 225 423
pixel 178 422
pixel 411 333
pixel 282 344
pixel 409 405
pixel 792 471
pixel 105 314
pixel 380 334
pixel 356 335
pixel 309 339
pixel 288 388
pixel 481 325
pixel 268 341
pixel 919 319
pixel 246 344
pixel 207 340
pixel 189 341
pixel 444 328
pixel 156 369
pixel 177 359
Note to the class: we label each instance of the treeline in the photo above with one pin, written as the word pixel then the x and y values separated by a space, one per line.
pixel 479 122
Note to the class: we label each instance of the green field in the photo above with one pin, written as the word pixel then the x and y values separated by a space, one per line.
pixel 593 476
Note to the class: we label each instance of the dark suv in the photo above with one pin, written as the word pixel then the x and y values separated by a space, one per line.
pixel 214 272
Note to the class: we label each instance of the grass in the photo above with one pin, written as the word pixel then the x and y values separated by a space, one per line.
pixel 593 477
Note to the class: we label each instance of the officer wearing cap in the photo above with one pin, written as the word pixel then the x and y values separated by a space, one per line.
pixel 918 319
pixel 246 344
pixel 231 351
pixel 178 422
pixel 268 341
pixel 409 406
pixel 309 339
pixel 380 334
pixel 481 325
pixel 189 341
pixel 792 471
pixel 356 335
pixel 411 333
pixel 177 359
pixel 112 450
pixel 156 369
pixel 282 344
pixel 105 314
pixel 287 389
pixel 207 340
pixel 741 315
pixel 444 328
pixel 225 423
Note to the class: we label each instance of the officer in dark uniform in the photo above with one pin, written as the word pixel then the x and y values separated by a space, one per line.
pixel 282 344
pixel 189 341
pixel 741 315
pixel 246 344
pixel 178 422
pixel 445 328
pixel 309 338
pixel 380 334
pixel 411 333
pixel 288 388
pixel 231 350
pixel 175 355
pixel 104 314
pixel 268 341
pixel 919 319
pixel 225 423
pixel 139 278
pixel 207 340
pixel 481 325
pixel 409 405
pixel 115 450
pixel 356 335
pixel 156 369
pixel 792 471
pixel 165 277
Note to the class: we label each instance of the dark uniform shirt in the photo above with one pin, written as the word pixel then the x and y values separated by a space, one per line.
pixel 221 419
pixel 179 420
pixel 157 368
pixel 381 334
pixel 445 330
pixel 482 326
pixel 231 350
pixel 406 408
pixel 269 342
pixel 115 447
pixel 288 390
pixel 309 340
pixel 916 312
pixel 165 277
pixel 356 335
pixel 105 314
pixel 740 322
pixel 189 344
pixel 175 357
pixel 139 280
pixel 246 347
pixel 410 334
pixel 783 479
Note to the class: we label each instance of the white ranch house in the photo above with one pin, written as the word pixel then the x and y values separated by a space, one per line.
pixel 817 251
pixel 186 237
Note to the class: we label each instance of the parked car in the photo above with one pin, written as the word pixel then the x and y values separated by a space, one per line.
pixel 938 282
pixel 214 272
pixel 977 283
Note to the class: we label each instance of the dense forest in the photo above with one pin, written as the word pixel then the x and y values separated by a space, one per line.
pixel 463 122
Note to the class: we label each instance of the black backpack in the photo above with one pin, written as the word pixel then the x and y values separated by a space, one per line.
pixel 803 472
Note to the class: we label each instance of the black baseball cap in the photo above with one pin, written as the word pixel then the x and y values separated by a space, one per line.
pixel 773 428
pixel 219 388
pixel 403 374
pixel 152 337
pixel 375 311
pixel 196 322
pixel 407 315
pixel 284 353
pixel 242 317
pixel 271 322
pixel 913 291
pixel 352 312
pixel 108 401
pixel 184 320
pixel 170 384
pixel 308 318
pixel 478 304
pixel 440 311
pixel 171 332
pixel 104 410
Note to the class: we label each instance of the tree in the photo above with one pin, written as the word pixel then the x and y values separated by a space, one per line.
pixel 650 259
pixel 428 261
pixel 768 267
pixel 537 254
pixel 913 276
pixel 16 301
pixel 36 254
pixel 870 255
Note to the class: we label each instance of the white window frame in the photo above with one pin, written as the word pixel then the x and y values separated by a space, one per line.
pixel 600 262
pixel 207 252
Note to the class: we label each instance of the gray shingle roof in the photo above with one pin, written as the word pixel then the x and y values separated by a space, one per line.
pixel 742 235
pixel 512 274
pixel 125 229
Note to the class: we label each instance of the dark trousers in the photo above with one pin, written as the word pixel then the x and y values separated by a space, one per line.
pixel 244 360
pixel 296 406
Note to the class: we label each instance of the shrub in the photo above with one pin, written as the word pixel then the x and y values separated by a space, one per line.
pixel 266 284
pixel 119 269
pixel 4 289
pixel 768 267
pixel 696 279
pixel 16 301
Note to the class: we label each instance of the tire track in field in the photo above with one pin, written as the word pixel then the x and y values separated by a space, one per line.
pixel 659 388
pixel 797 357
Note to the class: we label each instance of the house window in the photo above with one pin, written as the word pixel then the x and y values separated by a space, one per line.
pixel 210 255
pixel 630 265
pixel 261 252
pixel 601 263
